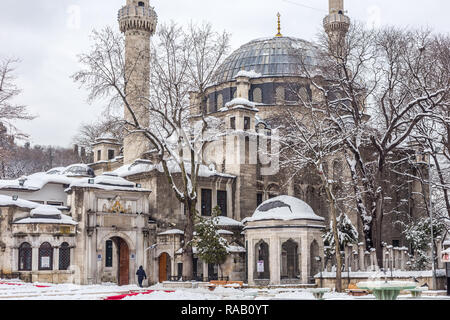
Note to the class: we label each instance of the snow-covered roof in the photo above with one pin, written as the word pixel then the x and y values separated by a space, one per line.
pixel 7 201
pixel 143 166
pixel 232 248
pixel 225 232
pixel 44 214
pixel 63 219
pixel 43 211
pixel 172 231
pixel 36 181
pixel 223 221
pixel 238 103
pixel 106 181
pixel 284 208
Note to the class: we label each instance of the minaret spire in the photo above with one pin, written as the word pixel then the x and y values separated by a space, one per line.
pixel 137 20
pixel 279 26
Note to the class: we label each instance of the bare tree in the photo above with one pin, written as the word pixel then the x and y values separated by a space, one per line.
pixel 384 83
pixel 183 61
pixel 309 140
pixel 9 111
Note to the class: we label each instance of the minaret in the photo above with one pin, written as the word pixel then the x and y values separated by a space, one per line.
pixel 137 21
pixel 336 24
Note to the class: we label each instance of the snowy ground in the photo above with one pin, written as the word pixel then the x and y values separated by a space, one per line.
pixel 18 290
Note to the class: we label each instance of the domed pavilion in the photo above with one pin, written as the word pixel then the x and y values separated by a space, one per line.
pixel 284 241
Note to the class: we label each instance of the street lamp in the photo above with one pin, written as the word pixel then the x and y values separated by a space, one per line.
pixel 319 259
pixel 430 175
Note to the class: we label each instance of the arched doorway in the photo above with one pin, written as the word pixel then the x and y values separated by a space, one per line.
pixel 123 253
pixel 164 267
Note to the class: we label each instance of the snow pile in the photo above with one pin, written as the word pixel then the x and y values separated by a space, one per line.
pixel 284 208
pixel 248 74
pixel 172 231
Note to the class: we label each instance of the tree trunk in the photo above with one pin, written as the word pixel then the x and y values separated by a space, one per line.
pixel 337 247
pixel 187 257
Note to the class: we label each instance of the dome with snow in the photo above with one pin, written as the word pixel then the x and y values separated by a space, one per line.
pixel 266 57
pixel 284 208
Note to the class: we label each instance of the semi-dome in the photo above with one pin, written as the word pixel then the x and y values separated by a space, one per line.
pixel 269 57
pixel 284 208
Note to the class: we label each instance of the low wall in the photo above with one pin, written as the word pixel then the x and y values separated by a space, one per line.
pixel 328 279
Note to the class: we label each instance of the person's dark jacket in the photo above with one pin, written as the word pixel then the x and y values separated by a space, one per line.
pixel 141 274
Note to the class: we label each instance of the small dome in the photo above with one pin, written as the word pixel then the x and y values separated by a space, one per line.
pixel 284 208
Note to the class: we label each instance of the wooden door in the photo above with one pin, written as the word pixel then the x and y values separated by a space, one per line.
pixel 124 263
pixel 163 267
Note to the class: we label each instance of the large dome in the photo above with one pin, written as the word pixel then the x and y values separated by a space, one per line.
pixel 277 56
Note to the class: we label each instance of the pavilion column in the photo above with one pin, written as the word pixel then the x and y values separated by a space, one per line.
pixel 361 255
pixel 250 261
pixel 304 259
pixel 274 260
pixel 373 260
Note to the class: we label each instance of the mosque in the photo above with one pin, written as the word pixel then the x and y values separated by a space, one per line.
pixel 96 223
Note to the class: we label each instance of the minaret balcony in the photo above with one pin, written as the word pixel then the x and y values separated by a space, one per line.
pixel 137 17
pixel 336 18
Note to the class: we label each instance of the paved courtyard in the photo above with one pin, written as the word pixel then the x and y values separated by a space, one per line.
pixel 18 290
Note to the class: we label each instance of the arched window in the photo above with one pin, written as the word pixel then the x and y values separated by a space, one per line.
pixel 46 256
pixel 280 95
pixel 109 253
pixel 257 95
pixel 64 256
pixel 262 260
pixel 25 254
pixel 289 260
pixel 219 102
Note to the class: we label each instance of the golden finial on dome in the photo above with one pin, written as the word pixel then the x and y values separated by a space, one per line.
pixel 279 26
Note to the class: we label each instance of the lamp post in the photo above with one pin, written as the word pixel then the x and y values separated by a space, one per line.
pixel 433 266
pixel 319 259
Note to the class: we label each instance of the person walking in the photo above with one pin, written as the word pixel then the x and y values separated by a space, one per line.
pixel 141 275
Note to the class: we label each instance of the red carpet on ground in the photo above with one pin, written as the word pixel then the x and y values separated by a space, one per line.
pixel 21 284
pixel 121 296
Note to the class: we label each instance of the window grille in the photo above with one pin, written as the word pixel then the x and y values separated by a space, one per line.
pixel 64 256
pixel 46 256
pixel 25 257
pixel 257 95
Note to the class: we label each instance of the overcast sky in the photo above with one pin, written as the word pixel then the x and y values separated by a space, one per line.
pixel 47 35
